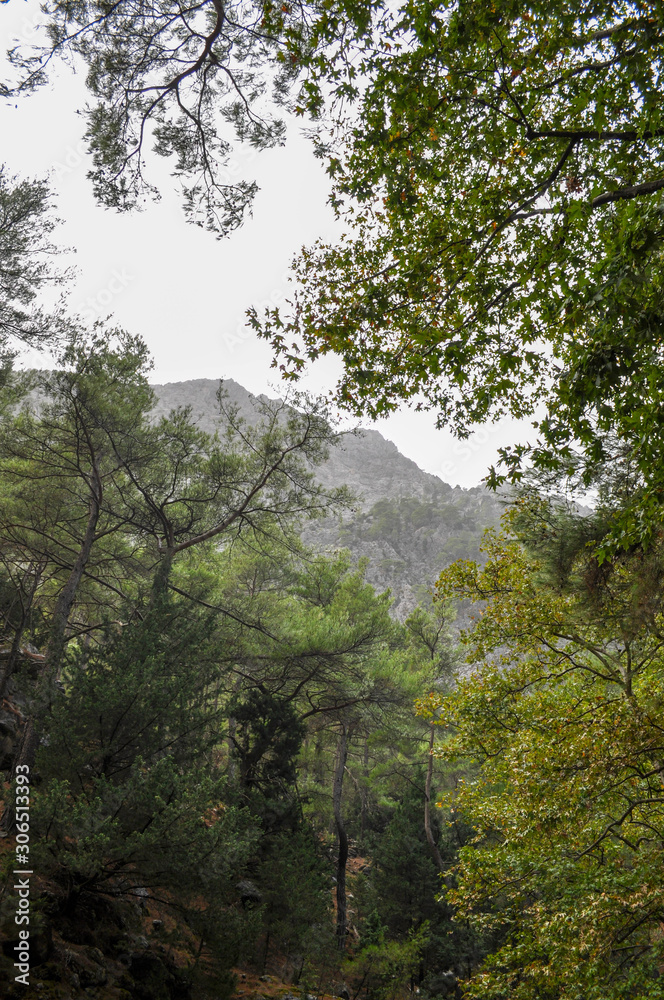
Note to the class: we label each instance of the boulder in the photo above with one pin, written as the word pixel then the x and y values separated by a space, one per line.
pixel 250 894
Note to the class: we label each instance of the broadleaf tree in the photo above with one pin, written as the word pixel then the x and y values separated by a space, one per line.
pixel 500 175
pixel 559 730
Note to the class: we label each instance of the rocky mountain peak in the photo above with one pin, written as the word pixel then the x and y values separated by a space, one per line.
pixel 408 523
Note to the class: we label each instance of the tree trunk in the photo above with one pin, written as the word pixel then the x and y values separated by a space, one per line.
pixel 67 596
pixel 342 755
pixel 427 802
pixel 162 576
pixel 12 660
pixel 365 790
pixel 56 642
pixel 14 653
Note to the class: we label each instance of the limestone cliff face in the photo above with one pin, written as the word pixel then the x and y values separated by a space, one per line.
pixel 375 469
pixel 408 523
pixel 201 395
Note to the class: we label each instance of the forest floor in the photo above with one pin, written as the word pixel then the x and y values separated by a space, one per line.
pixel 134 948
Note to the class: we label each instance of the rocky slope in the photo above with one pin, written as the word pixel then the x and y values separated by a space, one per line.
pixel 408 523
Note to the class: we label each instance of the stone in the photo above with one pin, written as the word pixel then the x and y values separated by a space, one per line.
pixel 8 723
pixel 89 971
pixel 250 894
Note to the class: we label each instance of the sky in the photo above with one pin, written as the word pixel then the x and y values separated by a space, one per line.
pixel 183 291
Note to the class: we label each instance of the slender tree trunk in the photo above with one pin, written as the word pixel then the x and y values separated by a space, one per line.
pixel 12 659
pixel 230 737
pixel 230 743
pixel 162 576
pixel 56 642
pixel 365 786
pixel 15 650
pixel 67 596
pixel 342 755
pixel 440 864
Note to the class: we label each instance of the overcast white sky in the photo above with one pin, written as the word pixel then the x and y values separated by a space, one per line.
pixel 182 290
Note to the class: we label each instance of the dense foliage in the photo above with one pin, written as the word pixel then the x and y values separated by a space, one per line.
pixel 218 721
pixel 560 729
pixel 501 179
pixel 208 687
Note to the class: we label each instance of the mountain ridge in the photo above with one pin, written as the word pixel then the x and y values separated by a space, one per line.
pixel 408 523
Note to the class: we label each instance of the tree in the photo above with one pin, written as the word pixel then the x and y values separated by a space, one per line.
pixel 327 663
pixel 429 630
pixel 26 223
pixel 179 74
pixel 267 736
pixel 501 183
pixel 256 480
pixel 59 469
pixel 500 179
pixel 560 728
pixel 133 796
pixel 110 499
pixel 337 664
pixel 21 579
pixel 90 458
pixel 293 875
pixel 402 889
pixel 321 666
pixel 234 684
